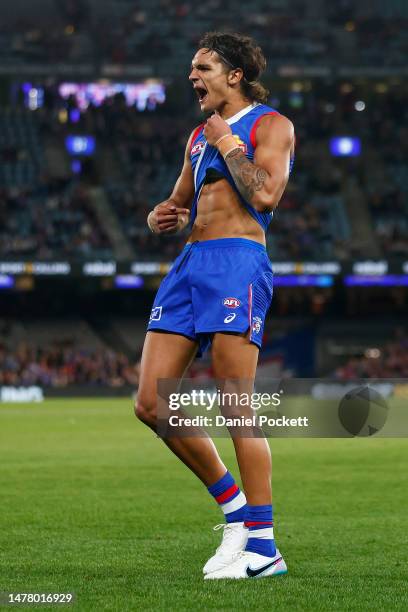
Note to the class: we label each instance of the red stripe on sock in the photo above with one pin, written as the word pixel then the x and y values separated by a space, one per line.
pixel 255 523
pixel 224 496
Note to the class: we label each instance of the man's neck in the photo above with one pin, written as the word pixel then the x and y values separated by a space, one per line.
pixel 233 107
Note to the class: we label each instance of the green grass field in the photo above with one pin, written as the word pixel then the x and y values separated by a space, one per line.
pixel 92 502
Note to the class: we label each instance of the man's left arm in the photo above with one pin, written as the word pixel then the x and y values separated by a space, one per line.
pixel 263 181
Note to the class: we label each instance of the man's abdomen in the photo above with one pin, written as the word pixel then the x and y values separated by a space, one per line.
pixel 220 214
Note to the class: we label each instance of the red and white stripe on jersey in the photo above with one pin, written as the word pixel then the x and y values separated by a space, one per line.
pixel 252 134
pixel 195 134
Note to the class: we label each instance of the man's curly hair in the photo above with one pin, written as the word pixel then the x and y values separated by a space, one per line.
pixel 239 51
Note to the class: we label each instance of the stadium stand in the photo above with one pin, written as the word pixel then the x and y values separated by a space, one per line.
pixel 164 35
pixel 21 153
pixel 317 217
pixel 51 219
pixel 387 361
pixel 59 353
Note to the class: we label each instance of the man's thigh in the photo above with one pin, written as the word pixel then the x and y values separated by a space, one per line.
pixel 234 356
pixel 234 363
pixel 165 355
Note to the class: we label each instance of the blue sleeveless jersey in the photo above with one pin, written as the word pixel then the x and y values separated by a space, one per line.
pixel 204 156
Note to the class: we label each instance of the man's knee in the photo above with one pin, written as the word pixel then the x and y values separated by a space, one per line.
pixel 145 411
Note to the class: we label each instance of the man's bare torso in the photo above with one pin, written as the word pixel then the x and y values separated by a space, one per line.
pixel 220 214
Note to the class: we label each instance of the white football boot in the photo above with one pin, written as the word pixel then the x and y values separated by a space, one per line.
pixel 251 565
pixel 234 540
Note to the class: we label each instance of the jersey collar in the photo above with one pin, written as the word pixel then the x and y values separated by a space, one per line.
pixel 241 113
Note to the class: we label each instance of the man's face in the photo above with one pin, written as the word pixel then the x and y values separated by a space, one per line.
pixel 209 79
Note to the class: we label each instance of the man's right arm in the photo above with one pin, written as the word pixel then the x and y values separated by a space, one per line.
pixel 173 214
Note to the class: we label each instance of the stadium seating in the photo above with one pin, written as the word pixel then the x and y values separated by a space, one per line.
pixel 22 156
pixel 320 32
pixel 140 155
pixel 389 360
pixel 50 221
pixel 57 353
pixel 165 36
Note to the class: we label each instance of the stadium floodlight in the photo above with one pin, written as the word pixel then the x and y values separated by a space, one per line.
pixel 80 145
pixel 345 146
pixel 6 281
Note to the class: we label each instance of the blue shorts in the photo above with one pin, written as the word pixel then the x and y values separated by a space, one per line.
pixel 222 285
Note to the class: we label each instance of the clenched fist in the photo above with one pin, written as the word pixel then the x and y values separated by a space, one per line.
pixel 167 218
pixel 215 128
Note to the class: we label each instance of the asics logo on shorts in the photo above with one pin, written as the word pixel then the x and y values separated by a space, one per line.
pixel 230 317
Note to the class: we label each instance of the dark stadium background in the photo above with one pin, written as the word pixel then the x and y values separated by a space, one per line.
pixel 78 266
pixel 92 503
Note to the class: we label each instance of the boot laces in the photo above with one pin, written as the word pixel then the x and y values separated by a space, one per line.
pixel 227 535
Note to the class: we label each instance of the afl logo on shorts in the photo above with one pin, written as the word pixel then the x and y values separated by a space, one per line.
pixel 231 302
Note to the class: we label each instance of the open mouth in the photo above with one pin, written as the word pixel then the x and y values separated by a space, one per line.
pixel 202 93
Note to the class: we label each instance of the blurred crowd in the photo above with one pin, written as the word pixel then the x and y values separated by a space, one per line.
pixel 62 364
pixel 51 219
pixel 295 31
pixel 139 156
pixel 164 33
pixel 388 361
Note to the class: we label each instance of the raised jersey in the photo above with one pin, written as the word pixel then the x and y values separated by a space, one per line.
pixel 204 156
